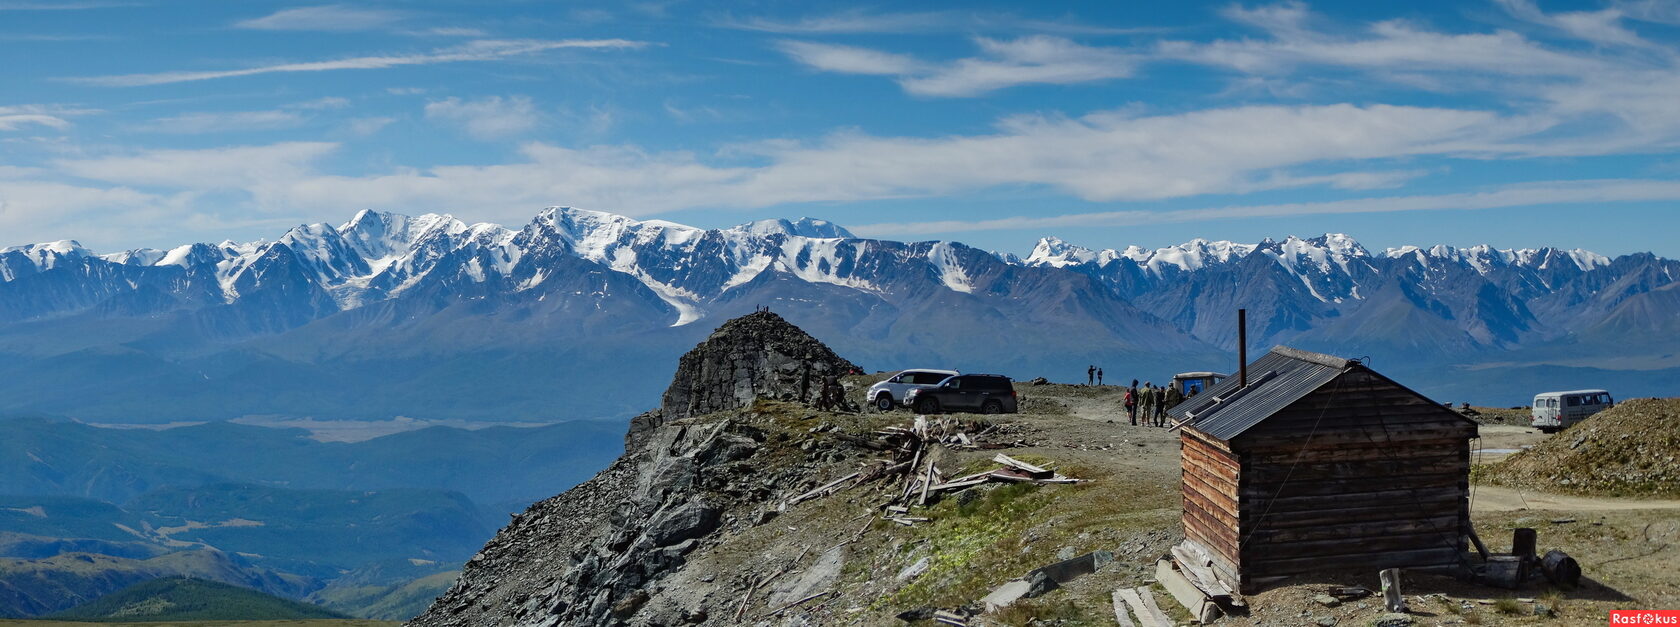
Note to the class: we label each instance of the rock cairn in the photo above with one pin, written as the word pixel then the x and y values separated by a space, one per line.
pixel 758 355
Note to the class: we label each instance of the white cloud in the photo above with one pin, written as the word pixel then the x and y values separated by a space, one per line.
pixel 854 21
pixel 224 122
pixel 328 102
pixel 479 50
pixel 60 5
pixel 1525 195
pixel 16 117
pixel 451 31
pixel 1101 157
pixel 237 167
pixel 1036 59
pixel 364 127
pixel 487 118
pixel 849 59
pixel 331 18
pixel 857 21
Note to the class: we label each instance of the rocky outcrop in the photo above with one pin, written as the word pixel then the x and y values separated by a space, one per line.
pixel 758 355
pixel 602 552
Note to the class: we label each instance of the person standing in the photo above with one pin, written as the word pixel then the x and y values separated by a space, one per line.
pixel 1146 401
pixel 1160 407
pixel 1131 402
pixel 1174 397
pixel 1090 374
pixel 1099 375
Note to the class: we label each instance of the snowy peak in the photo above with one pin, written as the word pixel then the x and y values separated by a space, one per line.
pixel 803 227
pixel 1052 251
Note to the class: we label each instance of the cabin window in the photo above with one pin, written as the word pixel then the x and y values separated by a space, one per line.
pixel 1574 401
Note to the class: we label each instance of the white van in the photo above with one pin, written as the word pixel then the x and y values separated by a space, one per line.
pixel 1554 411
pixel 886 394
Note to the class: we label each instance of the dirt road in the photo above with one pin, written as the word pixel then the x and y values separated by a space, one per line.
pixel 1501 499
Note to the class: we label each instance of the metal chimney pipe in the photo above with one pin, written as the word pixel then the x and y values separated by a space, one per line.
pixel 1242 348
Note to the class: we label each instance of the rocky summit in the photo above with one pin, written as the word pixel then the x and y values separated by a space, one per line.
pixel 758 355
pixel 611 550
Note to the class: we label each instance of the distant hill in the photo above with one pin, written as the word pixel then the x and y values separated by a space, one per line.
pixel 504 467
pixel 42 586
pixel 185 598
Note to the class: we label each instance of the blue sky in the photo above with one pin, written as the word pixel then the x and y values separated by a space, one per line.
pixel 152 123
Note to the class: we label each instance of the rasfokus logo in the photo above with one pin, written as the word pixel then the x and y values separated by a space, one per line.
pixel 1645 617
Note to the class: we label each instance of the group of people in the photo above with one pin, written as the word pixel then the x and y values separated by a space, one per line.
pixel 1153 402
pixel 1093 375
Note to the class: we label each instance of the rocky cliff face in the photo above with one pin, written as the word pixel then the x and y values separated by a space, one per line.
pixel 755 356
pixel 604 552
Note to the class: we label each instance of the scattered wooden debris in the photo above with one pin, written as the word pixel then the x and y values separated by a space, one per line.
pixel 1120 614
pixel 1188 594
pixel 746 599
pixel 947 617
pixel 1142 604
pixel 788 606
pixel 824 490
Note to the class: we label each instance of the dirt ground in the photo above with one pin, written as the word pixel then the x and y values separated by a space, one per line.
pixel 1628 549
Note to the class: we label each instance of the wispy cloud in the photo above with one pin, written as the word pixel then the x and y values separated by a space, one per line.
pixel 866 22
pixel 66 5
pixel 1525 195
pixel 480 50
pixel 1036 59
pixel 328 18
pixel 849 59
pixel 287 116
pixel 493 117
pixel 223 122
pixel 16 117
pixel 234 167
pixel 1108 156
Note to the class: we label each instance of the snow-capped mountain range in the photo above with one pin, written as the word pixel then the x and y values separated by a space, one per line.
pixel 590 295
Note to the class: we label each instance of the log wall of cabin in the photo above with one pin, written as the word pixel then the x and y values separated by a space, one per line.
pixel 1210 486
pixel 1361 474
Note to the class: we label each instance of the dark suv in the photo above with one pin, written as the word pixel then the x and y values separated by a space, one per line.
pixel 983 393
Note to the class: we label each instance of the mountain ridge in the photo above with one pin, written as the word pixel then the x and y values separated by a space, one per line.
pixel 388 314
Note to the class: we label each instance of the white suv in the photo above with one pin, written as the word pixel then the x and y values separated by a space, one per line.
pixel 889 393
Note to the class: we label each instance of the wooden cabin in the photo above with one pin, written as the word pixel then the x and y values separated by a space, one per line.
pixel 1321 463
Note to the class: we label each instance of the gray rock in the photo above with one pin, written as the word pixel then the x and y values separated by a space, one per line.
pixel 688 521
pixel 1326 621
pixel 914 570
pixel 1393 620
pixel 1327 600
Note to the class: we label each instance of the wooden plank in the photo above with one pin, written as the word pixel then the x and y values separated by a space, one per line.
pixel 1193 463
pixel 1222 538
pixel 1139 610
pixel 1383 512
pixel 1224 566
pixel 1434 524
pixel 1403 487
pixel 1154 610
pixel 1297 453
pixel 1443 557
pixel 1188 593
pixel 824 489
pixel 1022 466
pixel 1120 614
pixel 1250 441
pixel 1262 551
pixel 1222 497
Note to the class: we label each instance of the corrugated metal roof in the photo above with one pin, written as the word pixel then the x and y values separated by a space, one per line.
pixel 1277 379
